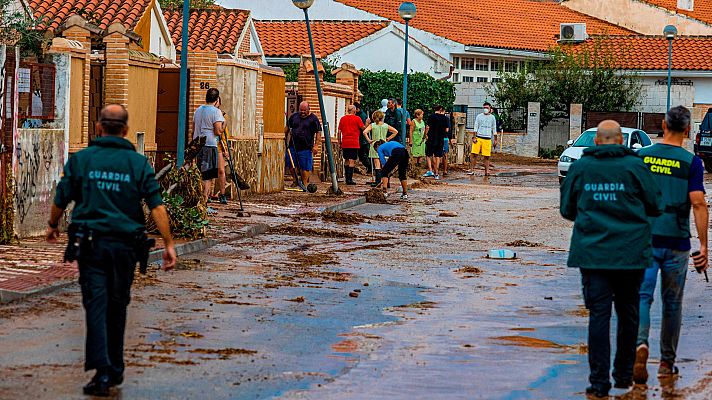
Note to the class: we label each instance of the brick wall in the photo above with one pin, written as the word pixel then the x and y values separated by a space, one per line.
pixel 245 45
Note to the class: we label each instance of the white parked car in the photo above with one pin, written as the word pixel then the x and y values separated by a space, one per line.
pixel 633 138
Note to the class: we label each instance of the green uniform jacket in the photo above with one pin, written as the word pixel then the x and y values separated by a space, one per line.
pixel 609 194
pixel 107 182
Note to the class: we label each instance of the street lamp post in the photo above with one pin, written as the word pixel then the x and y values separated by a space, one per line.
pixel 183 95
pixel 407 11
pixel 304 5
pixel 669 32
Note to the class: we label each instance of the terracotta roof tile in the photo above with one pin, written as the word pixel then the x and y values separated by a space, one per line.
pixel 104 12
pixel 213 28
pixel 289 38
pixel 514 24
pixel 691 53
pixel 702 9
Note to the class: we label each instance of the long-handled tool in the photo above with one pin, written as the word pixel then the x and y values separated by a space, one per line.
pixel 296 171
pixel 233 174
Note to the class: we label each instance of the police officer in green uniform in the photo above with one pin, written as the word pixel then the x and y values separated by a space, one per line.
pixel 609 194
pixel 680 175
pixel 107 182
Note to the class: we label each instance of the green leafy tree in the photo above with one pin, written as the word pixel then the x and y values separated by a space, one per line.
pixel 424 91
pixel 20 29
pixel 589 75
pixel 292 72
pixel 169 4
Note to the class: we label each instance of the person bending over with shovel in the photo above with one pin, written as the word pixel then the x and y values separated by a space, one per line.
pixel 397 157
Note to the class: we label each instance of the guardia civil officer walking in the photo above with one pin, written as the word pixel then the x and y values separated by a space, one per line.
pixel 609 194
pixel 680 175
pixel 107 182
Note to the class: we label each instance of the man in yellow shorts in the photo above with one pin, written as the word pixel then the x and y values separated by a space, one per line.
pixel 485 131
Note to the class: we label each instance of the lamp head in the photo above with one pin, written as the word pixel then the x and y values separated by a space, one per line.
pixel 670 32
pixel 303 4
pixel 407 10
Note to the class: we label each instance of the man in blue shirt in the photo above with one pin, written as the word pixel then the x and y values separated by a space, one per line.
pixel 397 157
pixel 679 175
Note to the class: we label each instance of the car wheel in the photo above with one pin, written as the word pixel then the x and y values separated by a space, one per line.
pixel 708 165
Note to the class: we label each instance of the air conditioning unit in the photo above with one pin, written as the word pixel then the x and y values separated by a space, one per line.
pixel 572 33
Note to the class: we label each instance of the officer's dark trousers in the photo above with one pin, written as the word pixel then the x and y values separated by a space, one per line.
pixel 105 275
pixel 602 288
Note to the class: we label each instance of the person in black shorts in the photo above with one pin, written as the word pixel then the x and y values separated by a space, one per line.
pixel 435 133
pixel 397 157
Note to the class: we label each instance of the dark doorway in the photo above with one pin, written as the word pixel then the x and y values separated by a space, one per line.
pixel 167 117
pixel 96 97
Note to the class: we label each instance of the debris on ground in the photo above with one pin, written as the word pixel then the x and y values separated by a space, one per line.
pixel 469 270
pixel 447 214
pixel 501 254
pixel 523 243
pixel 376 196
pixel 224 352
pixel 421 304
pixel 299 299
pixel 342 217
pixel 296 230
pixel 192 335
pixel 353 294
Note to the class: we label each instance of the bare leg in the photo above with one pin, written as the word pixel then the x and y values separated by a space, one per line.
pixel 436 164
pixel 305 176
pixel 473 161
pixel 487 165
pixel 384 184
pixel 429 161
pixel 207 187
pixel 221 173
pixel 445 163
pixel 404 185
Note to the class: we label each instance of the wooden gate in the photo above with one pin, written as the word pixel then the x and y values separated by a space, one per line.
pixel 96 97
pixel 167 114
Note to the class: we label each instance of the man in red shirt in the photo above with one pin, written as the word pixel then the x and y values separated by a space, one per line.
pixel 350 128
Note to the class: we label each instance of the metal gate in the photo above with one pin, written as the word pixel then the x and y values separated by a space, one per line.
pixel 651 123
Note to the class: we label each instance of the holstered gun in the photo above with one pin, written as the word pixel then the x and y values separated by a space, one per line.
pixel 144 244
pixel 79 243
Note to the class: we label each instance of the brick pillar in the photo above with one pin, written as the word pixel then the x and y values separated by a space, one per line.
pixel 349 75
pixel 76 29
pixel 307 89
pixel 203 66
pixel 116 73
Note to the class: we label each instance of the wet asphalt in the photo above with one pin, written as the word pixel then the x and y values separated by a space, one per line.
pixel 396 302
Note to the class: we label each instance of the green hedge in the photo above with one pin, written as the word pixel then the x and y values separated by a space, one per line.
pixel 424 91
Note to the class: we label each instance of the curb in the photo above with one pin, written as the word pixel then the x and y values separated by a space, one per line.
pixel 155 256
pixel 344 205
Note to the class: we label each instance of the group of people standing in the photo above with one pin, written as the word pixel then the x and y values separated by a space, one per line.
pixel 631 214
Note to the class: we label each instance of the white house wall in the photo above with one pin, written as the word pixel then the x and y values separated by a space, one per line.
pixel 703 90
pixel 284 10
pixel 160 42
pixel 386 54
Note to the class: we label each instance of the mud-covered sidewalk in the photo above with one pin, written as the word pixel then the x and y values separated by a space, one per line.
pixel 384 301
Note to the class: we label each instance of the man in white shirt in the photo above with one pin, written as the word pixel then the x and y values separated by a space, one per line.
pixel 485 134
pixel 208 121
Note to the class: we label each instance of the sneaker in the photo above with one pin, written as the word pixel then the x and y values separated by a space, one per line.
pixel 470 172
pixel 667 370
pixel 640 368
pixel 437 177
pixel 596 393
pixel 223 199
pixel 404 197
pixel 211 211
pixel 428 174
pixel 385 194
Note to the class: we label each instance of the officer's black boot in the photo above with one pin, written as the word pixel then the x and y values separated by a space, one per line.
pixel 99 384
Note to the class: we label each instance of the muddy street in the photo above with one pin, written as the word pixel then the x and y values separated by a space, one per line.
pixel 383 301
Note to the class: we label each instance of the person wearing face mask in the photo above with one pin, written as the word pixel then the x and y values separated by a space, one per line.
pixel 485 130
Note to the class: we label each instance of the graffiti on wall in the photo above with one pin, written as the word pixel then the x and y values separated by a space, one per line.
pixel 39 160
